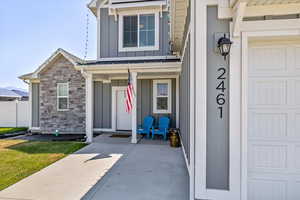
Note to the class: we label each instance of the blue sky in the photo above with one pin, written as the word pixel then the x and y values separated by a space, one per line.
pixel 31 30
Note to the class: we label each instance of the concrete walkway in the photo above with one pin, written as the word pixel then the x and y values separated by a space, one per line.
pixel 110 169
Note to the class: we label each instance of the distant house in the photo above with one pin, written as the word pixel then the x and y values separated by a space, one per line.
pixel 23 94
pixel 11 95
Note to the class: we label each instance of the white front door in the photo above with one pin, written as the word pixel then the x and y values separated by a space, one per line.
pixel 274 121
pixel 123 118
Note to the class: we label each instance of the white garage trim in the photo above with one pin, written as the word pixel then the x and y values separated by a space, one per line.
pixel 244 82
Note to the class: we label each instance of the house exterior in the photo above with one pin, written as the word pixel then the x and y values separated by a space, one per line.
pixel 238 117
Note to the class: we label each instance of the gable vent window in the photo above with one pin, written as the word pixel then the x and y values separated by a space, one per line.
pixel 62 96
pixel 139 32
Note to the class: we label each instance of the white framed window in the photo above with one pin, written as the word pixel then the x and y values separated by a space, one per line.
pixel 162 96
pixel 139 32
pixel 62 96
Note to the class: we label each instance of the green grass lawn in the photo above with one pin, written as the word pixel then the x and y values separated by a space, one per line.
pixel 12 130
pixel 20 158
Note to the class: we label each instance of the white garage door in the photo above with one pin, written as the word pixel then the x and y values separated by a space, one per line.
pixel 274 121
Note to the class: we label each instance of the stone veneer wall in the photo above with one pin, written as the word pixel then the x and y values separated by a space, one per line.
pixel 73 120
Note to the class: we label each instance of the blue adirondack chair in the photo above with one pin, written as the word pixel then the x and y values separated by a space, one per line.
pixel 146 127
pixel 163 128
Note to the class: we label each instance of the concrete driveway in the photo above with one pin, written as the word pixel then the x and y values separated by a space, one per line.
pixel 110 169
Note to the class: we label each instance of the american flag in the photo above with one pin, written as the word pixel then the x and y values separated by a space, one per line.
pixel 129 94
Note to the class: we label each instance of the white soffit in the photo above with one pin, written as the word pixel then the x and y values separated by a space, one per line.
pixel 256 8
pixel 135 3
pixel 270 2
pixel 178 20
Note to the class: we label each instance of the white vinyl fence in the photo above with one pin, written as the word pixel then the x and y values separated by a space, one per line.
pixel 14 113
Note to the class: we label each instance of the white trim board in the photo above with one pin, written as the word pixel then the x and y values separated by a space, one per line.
pixel 192 99
pixel 137 4
pixel 98 34
pixel 125 77
pixel 138 58
pixel 185 156
pixel 154 106
pixel 199 123
pixel 271 25
pixel 139 48
pixel 103 130
pixel 177 102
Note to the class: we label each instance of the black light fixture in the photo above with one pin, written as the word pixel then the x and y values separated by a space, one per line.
pixel 224 45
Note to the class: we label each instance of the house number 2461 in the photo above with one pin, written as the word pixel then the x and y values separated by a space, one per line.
pixel 220 98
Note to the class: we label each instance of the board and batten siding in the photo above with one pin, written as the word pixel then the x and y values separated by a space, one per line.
pixel 145 102
pixel 109 37
pixel 35 105
pixel 217 157
pixel 184 99
pixel 103 103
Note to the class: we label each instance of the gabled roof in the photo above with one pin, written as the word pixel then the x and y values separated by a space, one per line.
pixel 59 52
pixel 93 5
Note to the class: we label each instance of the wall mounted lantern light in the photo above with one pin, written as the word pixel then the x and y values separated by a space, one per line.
pixel 224 45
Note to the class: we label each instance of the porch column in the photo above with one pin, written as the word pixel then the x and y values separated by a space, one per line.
pixel 89 107
pixel 133 112
pixel 30 105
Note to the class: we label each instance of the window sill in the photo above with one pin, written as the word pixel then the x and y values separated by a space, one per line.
pixel 162 112
pixel 128 49
pixel 62 110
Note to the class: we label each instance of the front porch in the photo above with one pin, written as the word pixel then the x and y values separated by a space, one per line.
pixel 110 169
pixel 106 83
pixel 151 170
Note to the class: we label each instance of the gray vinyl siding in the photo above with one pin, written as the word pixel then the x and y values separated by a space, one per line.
pixel 217 163
pixel 35 105
pixel 184 107
pixel 109 37
pixel 145 102
pixel 103 106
